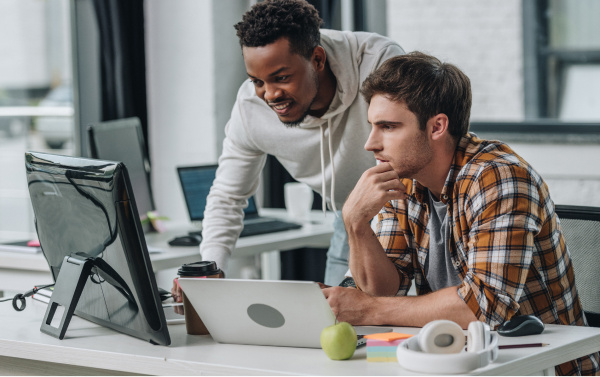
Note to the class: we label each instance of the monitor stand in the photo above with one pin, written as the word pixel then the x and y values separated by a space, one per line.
pixel 74 273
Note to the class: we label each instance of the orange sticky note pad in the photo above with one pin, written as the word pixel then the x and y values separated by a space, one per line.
pixel 388 336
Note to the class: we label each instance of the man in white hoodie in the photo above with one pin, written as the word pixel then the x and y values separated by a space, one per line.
pixel 301 101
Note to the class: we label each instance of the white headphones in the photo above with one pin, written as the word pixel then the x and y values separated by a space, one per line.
pixel 439 348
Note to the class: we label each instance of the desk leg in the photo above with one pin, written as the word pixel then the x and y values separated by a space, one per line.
pixel 270 265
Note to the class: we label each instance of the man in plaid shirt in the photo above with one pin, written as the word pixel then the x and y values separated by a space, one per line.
pixel 469 220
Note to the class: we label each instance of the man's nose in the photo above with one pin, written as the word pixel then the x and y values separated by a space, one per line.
pixel 372 143
pixel 272 93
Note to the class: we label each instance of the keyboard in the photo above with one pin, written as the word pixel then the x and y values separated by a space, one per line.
pixel 264 227
pixel 261 227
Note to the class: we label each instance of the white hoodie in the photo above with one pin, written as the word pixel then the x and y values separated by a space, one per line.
pixel 311 153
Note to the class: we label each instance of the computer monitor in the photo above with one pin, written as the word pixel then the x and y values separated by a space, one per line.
pixel 90 233
pixel 123 140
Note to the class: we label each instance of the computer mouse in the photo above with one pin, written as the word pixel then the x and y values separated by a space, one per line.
pixel 521 325
pixel 189 240
pixel 163 294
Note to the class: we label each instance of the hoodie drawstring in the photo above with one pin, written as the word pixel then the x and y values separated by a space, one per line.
pixel 323 185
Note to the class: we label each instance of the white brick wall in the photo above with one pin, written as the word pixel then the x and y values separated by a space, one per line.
pixel 482 38
pixel 571 171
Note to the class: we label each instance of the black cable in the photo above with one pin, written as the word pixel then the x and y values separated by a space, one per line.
pixel 18 301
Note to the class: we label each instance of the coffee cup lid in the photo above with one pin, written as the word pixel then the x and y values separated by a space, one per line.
pixel 203 268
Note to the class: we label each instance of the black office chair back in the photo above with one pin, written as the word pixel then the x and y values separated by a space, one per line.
pixel 581 229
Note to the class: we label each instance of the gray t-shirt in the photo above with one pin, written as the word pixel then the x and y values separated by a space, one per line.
pixel 439 270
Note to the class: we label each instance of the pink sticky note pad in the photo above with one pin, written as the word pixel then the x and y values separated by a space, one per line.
pixel 388 336
pixel 383 343
pixel 33 243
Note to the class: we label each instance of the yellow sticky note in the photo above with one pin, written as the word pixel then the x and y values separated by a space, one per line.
pixel 388 336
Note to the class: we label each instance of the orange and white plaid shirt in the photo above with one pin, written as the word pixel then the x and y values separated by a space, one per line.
pixel 507 245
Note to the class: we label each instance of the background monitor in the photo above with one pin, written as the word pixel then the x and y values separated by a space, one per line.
pixel 123 140
pixel 85 210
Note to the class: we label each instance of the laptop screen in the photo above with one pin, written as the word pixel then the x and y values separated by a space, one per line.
pixel 196 182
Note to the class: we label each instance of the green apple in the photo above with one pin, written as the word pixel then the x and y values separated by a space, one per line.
pixel 339 341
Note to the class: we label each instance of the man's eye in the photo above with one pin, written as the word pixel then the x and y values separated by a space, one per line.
pixel 256 82
pixel 281 78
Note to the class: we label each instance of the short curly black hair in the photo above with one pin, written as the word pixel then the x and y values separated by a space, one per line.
pixel 269 20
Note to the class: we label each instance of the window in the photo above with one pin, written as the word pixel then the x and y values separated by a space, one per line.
pixel 36 105
pixel 568 59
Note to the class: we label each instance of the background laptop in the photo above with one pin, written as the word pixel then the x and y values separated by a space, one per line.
pixel 196 182
pixel 261 312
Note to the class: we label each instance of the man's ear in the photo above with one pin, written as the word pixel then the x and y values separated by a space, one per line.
pixel 438 125
pixel 318 58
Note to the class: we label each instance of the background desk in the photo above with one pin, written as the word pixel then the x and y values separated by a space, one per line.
pixel 20 271
pixel 91 349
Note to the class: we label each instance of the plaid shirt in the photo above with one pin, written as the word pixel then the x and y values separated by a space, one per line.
pixel 507 246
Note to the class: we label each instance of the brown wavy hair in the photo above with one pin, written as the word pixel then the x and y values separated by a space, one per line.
pixel 427 86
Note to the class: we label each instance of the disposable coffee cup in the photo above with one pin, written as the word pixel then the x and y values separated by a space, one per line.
pixel 200 270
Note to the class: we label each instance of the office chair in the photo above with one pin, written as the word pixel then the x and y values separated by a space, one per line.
pixel 581 229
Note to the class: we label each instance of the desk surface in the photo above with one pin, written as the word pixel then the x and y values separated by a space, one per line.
pixel 87 345
pixel 315 234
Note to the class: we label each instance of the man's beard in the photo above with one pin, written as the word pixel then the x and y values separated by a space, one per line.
pixel 297 122
pixel 420 155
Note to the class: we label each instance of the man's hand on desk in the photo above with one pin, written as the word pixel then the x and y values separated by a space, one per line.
pixel 177 296
pixel 361 309
pixel 350 305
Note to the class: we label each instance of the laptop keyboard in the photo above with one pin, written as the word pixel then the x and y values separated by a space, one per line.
pixel 263 227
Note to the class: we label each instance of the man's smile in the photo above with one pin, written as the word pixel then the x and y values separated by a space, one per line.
pixel 281 108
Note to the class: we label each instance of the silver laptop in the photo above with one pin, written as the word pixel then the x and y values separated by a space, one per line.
pixel 262 312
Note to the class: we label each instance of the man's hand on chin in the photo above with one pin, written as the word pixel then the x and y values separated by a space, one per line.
pixel 376 186
pixel 350 305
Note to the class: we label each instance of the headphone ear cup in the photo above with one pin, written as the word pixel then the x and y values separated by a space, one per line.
pixel 441 336
pixel 478 337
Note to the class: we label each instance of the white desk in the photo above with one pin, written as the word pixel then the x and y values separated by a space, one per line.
pixel 315 234
pixel 19 271
pixel 25 350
